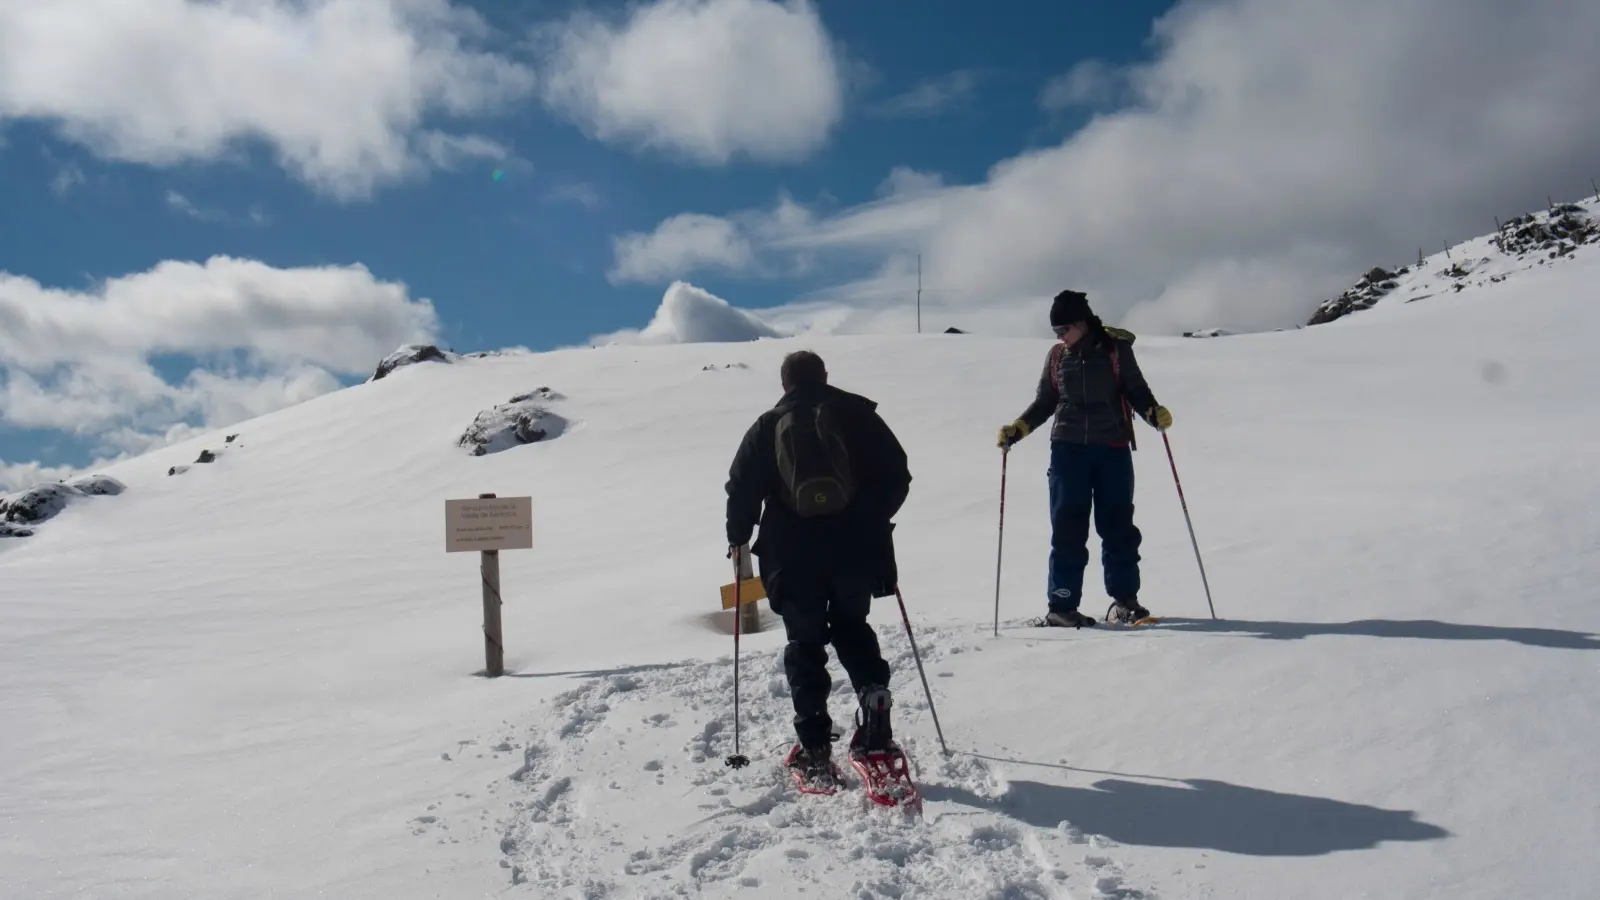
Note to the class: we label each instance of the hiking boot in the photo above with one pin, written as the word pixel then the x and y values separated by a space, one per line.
pixel 814 765
pixel 1068 618
pixel 872 721
pixel 1126 612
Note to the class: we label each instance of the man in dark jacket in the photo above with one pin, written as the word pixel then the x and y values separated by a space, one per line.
pixel 821 572
pixel 1091 383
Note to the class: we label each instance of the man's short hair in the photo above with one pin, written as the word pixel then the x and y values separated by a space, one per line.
pixel 803 367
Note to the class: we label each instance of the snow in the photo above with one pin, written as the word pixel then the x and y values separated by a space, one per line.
pixel 691 315
pixel 263 678
pixel 1551 237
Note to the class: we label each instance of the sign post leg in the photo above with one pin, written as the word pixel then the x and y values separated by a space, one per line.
pixel 750 613
pixel 493 648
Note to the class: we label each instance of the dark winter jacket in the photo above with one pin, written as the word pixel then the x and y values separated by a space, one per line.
pixel 1088 407
pixel 854 543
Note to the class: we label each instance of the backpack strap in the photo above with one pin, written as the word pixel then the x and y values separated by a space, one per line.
pixel 1116 370
pixel 1122 394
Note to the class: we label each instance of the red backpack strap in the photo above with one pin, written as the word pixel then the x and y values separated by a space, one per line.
pixel 1055 366
pixel 1122 394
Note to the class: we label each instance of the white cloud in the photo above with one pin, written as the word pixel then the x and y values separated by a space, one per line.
pixel 932 96
pixel 904 181
pixel 704 80
pixel 1276 150
pixel 689 315
pixel 339 90
pixel 263 338
pixel 679 245
pixel 692 241
pixel 21 476
pixel 1088 83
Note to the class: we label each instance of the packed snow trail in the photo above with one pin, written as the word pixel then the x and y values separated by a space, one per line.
pixel 623 792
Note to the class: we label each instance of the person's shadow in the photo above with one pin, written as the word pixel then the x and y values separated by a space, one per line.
pixel 1423 629
pixel 1205 814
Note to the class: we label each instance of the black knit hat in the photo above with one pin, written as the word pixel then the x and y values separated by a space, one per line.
pixel 1070 306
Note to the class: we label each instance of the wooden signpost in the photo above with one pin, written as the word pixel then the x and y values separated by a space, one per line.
pixel 750 590
pixel 489 524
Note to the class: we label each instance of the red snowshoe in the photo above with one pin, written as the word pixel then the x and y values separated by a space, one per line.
pixel 885 770
pixel 813 775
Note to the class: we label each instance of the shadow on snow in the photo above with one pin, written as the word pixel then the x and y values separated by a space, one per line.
pixel 1422 629
pixel 1202 814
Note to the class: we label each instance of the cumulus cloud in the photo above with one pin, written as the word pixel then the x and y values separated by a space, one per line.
pixel 679 245
pixel 1273 150
pixel 689 315
pixel 904 181
pixel 705 80
pixel 692 241
pixel 339 90
pixel 262 338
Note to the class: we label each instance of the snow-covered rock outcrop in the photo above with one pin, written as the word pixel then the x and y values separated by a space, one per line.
pixel 1525 242
pixel 526 419
pixel 21 511
pixel 408 355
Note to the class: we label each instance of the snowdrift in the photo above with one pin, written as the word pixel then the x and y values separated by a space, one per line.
pixel 262 678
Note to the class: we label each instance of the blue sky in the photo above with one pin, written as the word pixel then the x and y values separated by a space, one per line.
pixel 1230 164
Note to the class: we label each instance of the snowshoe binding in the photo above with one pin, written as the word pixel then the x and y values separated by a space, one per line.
pixel 1066 618
pixel 813 769
pixel 885 770
pixel 1130 613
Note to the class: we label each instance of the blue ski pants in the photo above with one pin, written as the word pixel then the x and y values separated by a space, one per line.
pixel 1087 478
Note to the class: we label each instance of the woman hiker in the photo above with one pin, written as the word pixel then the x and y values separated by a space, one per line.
pixel 1090 383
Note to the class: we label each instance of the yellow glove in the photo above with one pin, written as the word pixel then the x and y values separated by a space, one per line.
pixel 1010 434
pixel 1160 418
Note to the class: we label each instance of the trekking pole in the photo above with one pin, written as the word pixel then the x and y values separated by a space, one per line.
pixel 1190 523
pixel 737 760
pixel 1004 454
pixel 904 617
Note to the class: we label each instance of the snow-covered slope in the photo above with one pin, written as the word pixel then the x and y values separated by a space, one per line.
pixel 258 678
pixel 1549 237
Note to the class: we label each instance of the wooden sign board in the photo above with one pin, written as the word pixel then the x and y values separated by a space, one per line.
pixel 750 590
pixel 499 523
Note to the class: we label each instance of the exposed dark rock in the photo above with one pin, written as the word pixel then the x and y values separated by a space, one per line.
pixel 1367 292
pixel 524 420
pixel 953 330
pixel 407 355
pixel 1534 239
pixel 206 456
pixel 46 501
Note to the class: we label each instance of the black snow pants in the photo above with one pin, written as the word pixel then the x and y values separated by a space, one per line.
pixel 818 610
